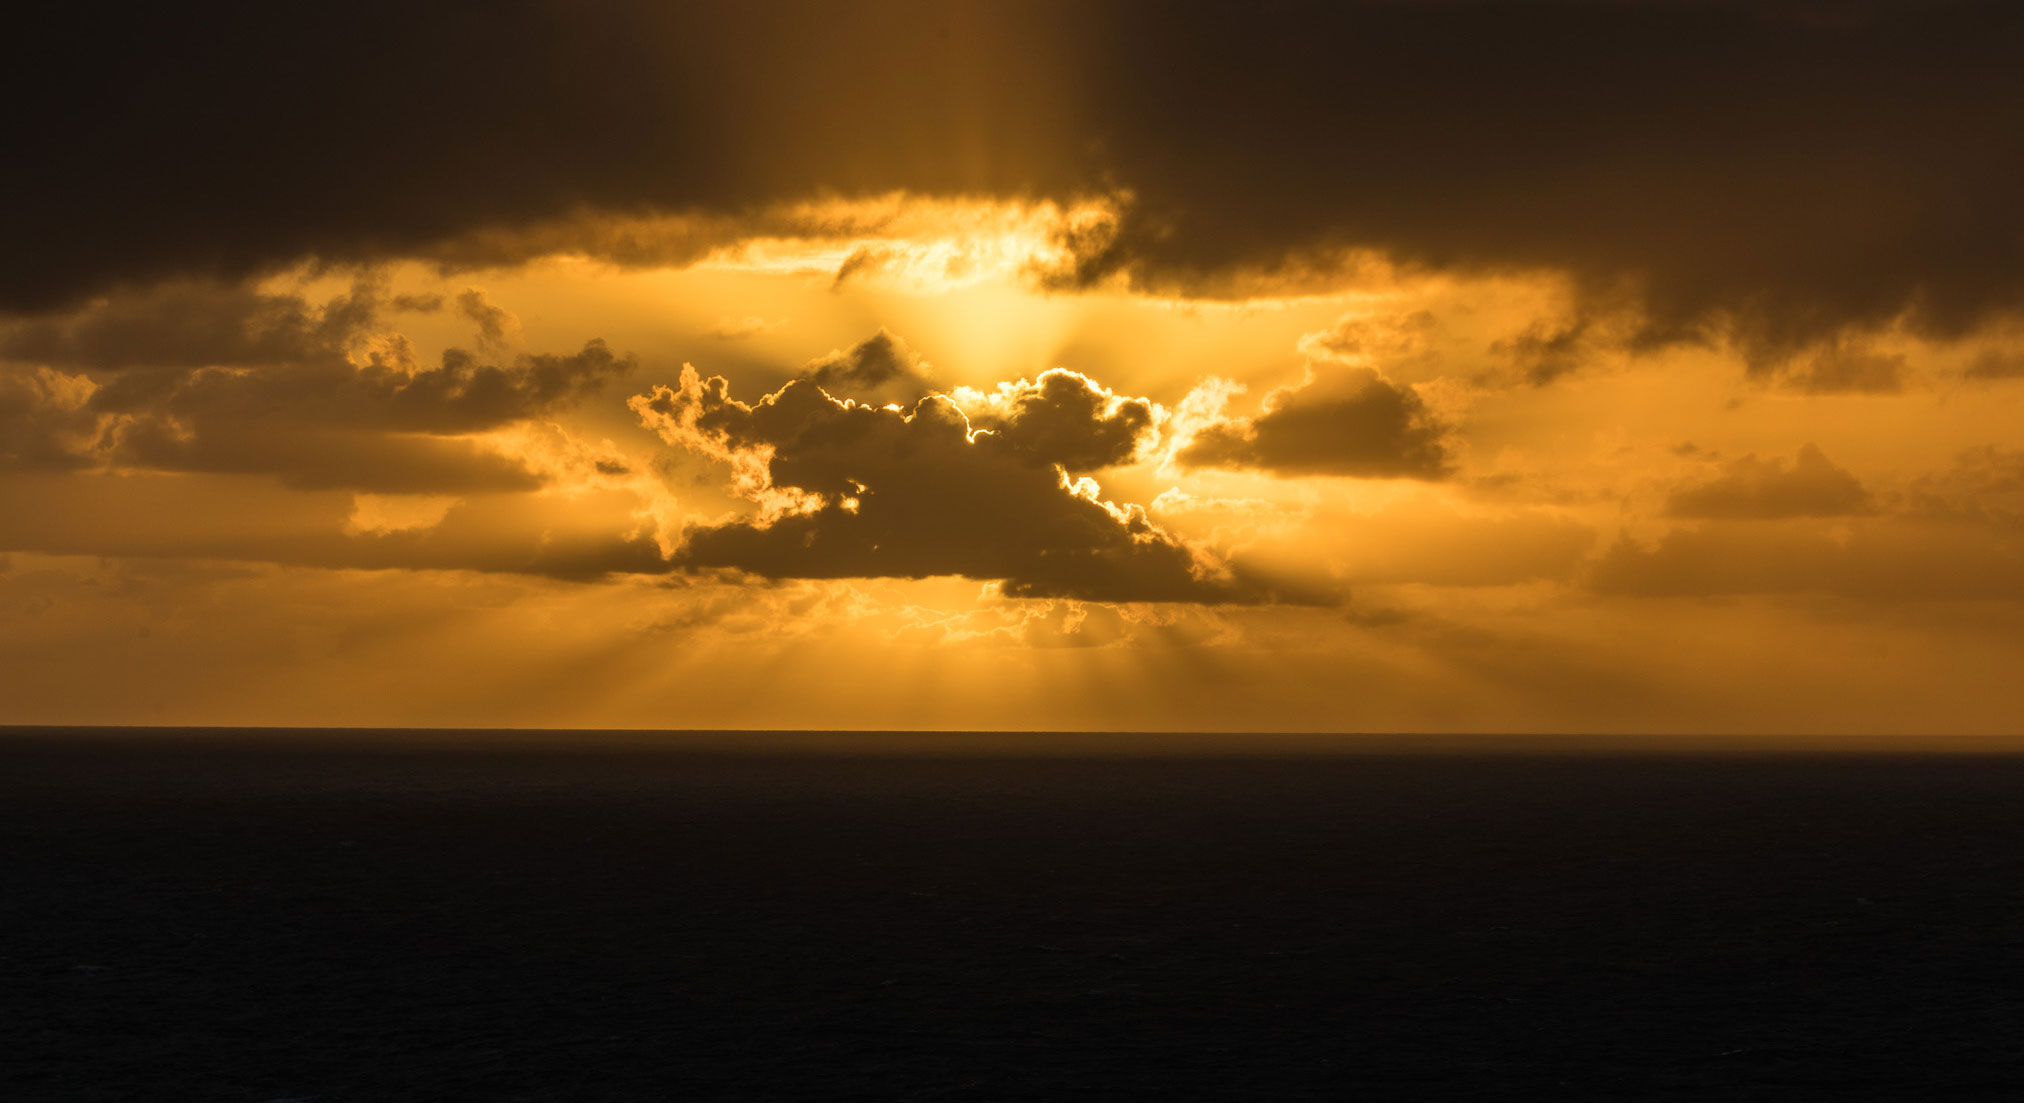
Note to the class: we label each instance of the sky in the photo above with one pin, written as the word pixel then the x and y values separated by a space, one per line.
pixel 1593 367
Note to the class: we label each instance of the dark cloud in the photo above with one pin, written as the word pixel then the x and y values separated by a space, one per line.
pixel 1732 165
pixel 205 378
pixel 460 394
pixel 879 492
pixel 1544 353
pixel 1340 421
pixel 320 459
pixel 496 325
pixel 1839 369
pixel 45 420
pixel 379 428
pixel 193 324
pixel 1383 340
pixel 1993 365
pixel 1066 418
pixel 384 427
pixel 1754 489
pixel 223 140
pixel 1728 166
pixel 863 261
pixel 418 304
pixel 1063 417
pixel 877 370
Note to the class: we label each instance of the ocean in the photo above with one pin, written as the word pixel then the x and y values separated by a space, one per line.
pixel 247 914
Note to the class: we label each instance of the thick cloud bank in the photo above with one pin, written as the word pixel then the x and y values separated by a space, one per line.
pixel 1778 171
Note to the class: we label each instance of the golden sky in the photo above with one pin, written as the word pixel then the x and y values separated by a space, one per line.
pixel 1579 367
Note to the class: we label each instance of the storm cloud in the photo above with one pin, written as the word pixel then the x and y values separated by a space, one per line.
pixel 1776 172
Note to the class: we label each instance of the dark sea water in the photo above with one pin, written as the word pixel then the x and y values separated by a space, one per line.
pixel 261 915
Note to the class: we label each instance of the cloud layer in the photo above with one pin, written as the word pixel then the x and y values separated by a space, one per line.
pixel 1780 171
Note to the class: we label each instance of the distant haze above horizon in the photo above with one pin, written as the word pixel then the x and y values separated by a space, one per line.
pixel 1444 366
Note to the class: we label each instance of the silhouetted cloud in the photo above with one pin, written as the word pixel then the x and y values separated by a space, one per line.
pixel 324 459
pixel 1064 418
pixel 1721 166
pixel 861 491
pixel 877 370
pixel 193 324
pixel 496 325
pixel 459 394
pixel 1544 353
pixel 1762 169
pixel 1754 489
pixel 228 380
pixel 386 427
pixel 416 303
pixel 1339 421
